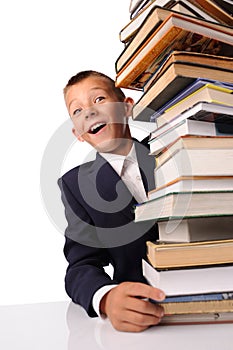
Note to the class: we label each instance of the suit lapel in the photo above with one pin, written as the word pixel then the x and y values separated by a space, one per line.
pixel 146 164
pixel 112 189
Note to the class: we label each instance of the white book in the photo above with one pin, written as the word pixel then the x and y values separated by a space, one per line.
pixel 196 229
pixel 187 127
pixel 193 184
pixel 194 162
pixel 190 281
pixel 185 205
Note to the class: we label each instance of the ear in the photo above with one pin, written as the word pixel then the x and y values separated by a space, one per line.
pixel 129 102
pixel 76 134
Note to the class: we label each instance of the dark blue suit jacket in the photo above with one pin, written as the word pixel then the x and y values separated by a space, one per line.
pixel 101 228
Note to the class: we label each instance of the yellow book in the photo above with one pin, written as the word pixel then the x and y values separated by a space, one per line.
pixel 207 85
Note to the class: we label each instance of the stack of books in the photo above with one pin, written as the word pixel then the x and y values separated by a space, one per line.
pixel 179 54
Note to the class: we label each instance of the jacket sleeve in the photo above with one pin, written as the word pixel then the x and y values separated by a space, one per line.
pixel 85 273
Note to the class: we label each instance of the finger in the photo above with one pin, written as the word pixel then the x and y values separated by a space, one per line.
pixel 140 319
pixel 144 306
pixel 145 291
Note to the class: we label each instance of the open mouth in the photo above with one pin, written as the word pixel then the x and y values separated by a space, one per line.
pixel 96 128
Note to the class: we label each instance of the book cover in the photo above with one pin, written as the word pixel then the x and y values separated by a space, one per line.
pixel 168 255
pixel 190 89
pixel 146 29
pixel 189 143
pixel 199 297
pixel 128 32
pixel 208 306
pixel 190 281
pixel 193 183
pixel 184 128
pixel 208 93
pixel 193 162
pixel 184 205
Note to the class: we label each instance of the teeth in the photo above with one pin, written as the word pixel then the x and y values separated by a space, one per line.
pixel 96 126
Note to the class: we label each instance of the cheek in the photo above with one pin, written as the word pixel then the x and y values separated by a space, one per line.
pixel 78 125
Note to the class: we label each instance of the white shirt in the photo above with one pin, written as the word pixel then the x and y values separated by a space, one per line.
pixel 127 168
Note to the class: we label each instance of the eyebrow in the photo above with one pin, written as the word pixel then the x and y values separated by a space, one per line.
pixel 92 89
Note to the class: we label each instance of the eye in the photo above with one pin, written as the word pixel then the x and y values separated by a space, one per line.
pixel 99 99
pixel 77 112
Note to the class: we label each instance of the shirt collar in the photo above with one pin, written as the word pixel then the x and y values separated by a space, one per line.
pixel 117 161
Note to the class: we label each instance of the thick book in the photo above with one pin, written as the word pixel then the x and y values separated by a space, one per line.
pixel 146 29
pixel 198 307
pixel 208 93
pixel 184 128
pixel 129 31
pixel 177 31
pixel 193 183
pixel 184 205
pixel 194 162
pixel 221 115
pixel 190 281
pixel 178 255
pixel 175 78
pixel 205 145
pixel 196 229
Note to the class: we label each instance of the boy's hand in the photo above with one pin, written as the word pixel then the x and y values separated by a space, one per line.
pixel 126 309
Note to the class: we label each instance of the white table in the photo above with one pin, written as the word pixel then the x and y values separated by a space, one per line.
pixel 65 326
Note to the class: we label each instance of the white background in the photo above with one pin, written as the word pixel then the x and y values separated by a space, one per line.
pixel 43 43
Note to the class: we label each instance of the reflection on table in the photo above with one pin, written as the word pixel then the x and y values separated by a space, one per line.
pixel 66 326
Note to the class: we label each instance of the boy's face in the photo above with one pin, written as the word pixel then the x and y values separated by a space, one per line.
pixel 98 116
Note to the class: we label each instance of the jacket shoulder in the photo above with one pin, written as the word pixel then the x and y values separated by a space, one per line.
pixel 72 173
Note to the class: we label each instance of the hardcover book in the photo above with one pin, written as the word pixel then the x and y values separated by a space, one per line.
pixel 193 183
pixel 177 255
pixel 190 89
pixel 208 93
pixel 184 205
pixel 187 144
pixel 190 281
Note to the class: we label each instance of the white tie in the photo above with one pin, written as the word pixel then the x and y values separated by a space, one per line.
pixel 132 178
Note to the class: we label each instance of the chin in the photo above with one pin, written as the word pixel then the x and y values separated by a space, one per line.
pixel 108 146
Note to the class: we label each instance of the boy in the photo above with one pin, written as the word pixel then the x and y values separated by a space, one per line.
pixel 99 197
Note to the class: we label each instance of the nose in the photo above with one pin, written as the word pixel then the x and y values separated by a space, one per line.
pixel 90 112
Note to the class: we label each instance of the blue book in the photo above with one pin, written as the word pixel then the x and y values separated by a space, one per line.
pixel 197 297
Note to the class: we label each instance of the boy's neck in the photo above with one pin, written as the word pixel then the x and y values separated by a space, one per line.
pixel 125 147
pixel 122 149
